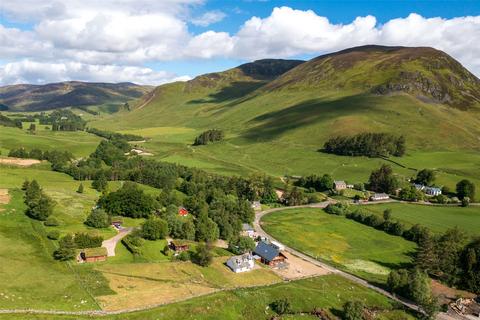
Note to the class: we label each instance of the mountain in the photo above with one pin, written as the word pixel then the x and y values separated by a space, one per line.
pixel 27 97
pixel 421 93
pixel 428 74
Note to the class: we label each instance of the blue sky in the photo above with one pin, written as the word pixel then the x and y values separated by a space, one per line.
pixel 150 41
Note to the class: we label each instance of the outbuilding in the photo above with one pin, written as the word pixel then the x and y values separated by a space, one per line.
pixel 93 254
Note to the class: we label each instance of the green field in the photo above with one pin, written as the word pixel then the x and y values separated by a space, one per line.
pixel 329 292
pixel 80 143
pixel 436 218
pixel 356 248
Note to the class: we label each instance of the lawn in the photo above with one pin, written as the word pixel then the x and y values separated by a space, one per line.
pixel 30 276
pixel 356 248
pixel 436 218
pixel 329 292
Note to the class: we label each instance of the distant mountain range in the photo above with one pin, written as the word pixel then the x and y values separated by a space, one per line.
pixel 27 97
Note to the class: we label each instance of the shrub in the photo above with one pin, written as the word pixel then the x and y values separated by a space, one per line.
pixel 85 240
pixel 281 306
pixel 183 256
pixel 51 222
pixel 98 218
pixel 353 310
pixel 53 235
pixel 133 243
pixel 203 255
pixel 339 208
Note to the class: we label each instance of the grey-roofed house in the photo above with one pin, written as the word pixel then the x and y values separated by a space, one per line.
pixel 339 185
pixel 247 230
pixel 433 191
pixel 241 263
pixel 270 254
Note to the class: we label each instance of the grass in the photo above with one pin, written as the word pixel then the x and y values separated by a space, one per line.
pixel 143 284
pixel 361 250
pixel 329 292
pixel 31 278
pixel 436 218
pixel 80 143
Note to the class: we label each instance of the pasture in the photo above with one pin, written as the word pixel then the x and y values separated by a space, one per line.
pixel 329 292
pixel 80 143
pixel 436 218
pixel 358 249
pixel 31 278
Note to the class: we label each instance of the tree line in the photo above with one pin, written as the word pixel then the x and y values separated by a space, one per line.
pixel 367 144
pixel 110 135
pixel 209 136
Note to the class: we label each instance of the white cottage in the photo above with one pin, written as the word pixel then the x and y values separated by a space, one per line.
pixel 241 263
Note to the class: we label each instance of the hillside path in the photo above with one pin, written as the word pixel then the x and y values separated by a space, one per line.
pixel 258 228
pixel 110 244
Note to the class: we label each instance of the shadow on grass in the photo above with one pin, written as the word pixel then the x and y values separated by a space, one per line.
pixel 236 90
pixel 273 124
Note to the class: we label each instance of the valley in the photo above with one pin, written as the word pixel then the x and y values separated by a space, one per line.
pixel 142 171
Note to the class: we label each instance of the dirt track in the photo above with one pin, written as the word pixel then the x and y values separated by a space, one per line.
pixel 19 161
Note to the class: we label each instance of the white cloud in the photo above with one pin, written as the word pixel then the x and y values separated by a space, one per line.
pixel 209 18
pixel 120 35
pixel 27 71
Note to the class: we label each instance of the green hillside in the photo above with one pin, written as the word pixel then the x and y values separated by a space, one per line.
pixel 277 123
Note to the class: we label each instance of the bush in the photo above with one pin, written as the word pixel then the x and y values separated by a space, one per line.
pixel 85 240
pixel 339 208
pixel 53 235
pixel 353 310
pixel 133 243
pixel 203 255
pixel 51 222
pixel 98 218
pixel 281 306
pixel 183 256
pixel 154 229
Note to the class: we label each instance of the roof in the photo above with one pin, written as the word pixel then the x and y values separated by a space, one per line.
pixel 179 243
pixel 95 252
pixel 434 189
pixel 339 182
pixel 267 251
pixel 380 195
pixel 240 262
pixel 246 227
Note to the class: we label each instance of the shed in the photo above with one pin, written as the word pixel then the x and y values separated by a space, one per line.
pixel 179 246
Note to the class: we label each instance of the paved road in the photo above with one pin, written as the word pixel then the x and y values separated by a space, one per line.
pixel 111 243
pixel 260 231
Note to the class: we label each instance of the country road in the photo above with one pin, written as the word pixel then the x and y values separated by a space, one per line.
pixel 258 228
pixel 111 244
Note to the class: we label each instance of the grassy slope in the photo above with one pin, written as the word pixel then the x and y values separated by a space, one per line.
pixel 352 246
pixel 39 282
pixel 280 131
pixel 437 219
pixel 329 292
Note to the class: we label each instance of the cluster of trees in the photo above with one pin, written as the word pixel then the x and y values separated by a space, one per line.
pixel 241 245
pixel 68 245
pixel 466 190
pixel 367 144
pixel 451 257
pixel 39 205
pixel 7 122
pixel 64 120
pixel 130 201
pixel 58 159
pixel 98 218
pixel 415 285
pixel 318 183
pixel 109 135
pixel 383 180
pixel 208 136
pixel 425 177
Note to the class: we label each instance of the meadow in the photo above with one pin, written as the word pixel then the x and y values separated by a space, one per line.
pixel 329 292
pixel 436 218
pixel 353 247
